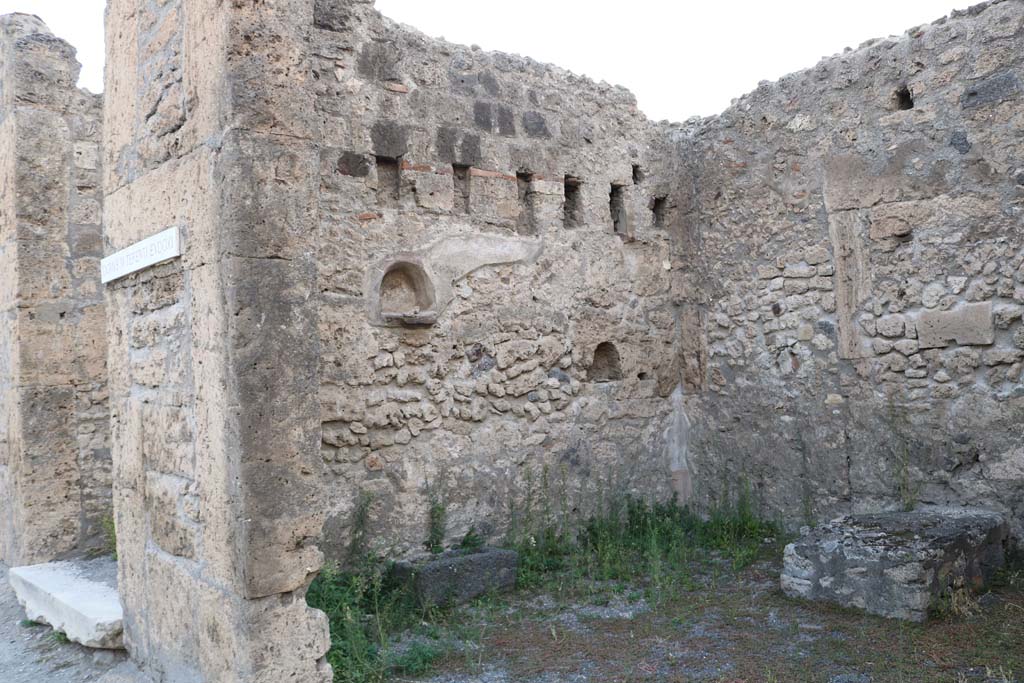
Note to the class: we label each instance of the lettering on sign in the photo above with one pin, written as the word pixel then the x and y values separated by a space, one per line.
pixel 163 246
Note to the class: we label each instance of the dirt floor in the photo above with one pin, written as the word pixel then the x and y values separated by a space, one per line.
pixel 723 628
pixel 720 626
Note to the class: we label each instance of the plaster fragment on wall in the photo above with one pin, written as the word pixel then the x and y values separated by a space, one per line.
pixel 970 324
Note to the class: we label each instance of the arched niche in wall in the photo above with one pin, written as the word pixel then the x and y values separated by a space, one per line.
pixel 402 293
pixel 606 366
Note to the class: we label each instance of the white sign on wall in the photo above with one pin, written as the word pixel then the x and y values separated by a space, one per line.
pixel 160 247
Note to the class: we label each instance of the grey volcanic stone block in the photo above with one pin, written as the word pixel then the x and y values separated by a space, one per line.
pixel 78 598
pixel 896 564
pixel 459 576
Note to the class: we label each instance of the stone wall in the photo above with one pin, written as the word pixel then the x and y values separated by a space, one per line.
pixel 54 434
pixel 501 287
pixel 213 355
pixel 419 274
pixel 863 266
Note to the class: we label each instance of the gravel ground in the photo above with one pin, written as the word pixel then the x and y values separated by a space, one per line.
pixel 737 629
pixel 30 654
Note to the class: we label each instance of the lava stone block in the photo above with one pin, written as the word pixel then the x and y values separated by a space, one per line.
pixel 896 564
pixel 458 576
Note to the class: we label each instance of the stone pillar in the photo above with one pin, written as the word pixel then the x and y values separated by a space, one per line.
pixel 54 450
pixel 214 356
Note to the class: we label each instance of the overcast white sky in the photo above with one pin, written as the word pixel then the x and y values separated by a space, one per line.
pixel 681 58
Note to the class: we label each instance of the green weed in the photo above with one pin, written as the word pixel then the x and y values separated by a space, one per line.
pixel 110 535
pixel 907 490
pixel 472 542
pixel 358 548
pixel 418 658
pixel 631 542
pixel 437 523
pixel 635 540
pixel 363 610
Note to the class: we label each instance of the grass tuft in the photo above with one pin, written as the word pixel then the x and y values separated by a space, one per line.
pixel 110 535
pixel 634 540
pixel 60 637
pixel 364 610
pixel 437 523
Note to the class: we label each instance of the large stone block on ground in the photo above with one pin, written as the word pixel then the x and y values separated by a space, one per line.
pixel 459 576
pixel 78 598
pixel 896 564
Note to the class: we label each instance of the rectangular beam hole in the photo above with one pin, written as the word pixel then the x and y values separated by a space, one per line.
pixel 524 182
pixel 461 175
pixel 659 209
pixel 617 207
pixel 572 213
pixel 389 181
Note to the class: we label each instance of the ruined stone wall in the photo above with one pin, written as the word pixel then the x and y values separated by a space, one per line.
pixel 213 355
pixel 863 255
pixel 419 274
pixel 487 339
pixel 54 435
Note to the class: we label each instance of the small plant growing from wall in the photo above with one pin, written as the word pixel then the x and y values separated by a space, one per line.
pixel 359 547
pixel 907 489
pixel 110 536
pixel 437 520
pixel 472 542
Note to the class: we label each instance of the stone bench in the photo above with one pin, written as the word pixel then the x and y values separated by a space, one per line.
pixel 79 599
pixel 896 564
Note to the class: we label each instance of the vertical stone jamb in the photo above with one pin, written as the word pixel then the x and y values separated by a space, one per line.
pixel 54 458
pixel 207 129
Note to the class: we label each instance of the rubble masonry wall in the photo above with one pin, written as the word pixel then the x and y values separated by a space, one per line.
pixel 862 251
pixel 468 308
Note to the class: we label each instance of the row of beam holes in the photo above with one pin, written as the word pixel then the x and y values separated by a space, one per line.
pixel 660 203
pixel 389 184
pixel 616 203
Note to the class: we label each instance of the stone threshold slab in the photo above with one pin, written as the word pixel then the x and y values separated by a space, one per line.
pixel 79 599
